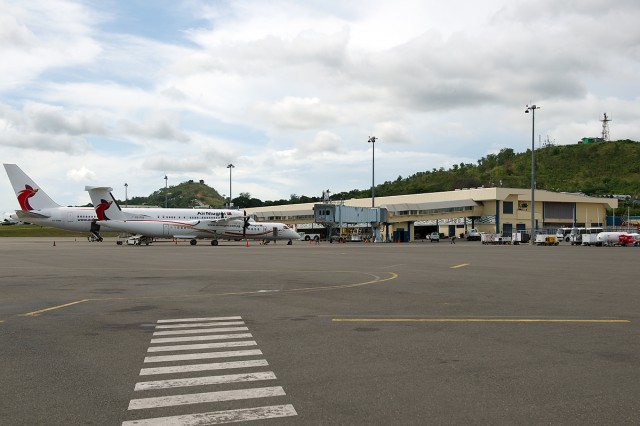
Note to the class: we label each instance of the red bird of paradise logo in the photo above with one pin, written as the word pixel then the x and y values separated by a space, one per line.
pixel 102 208
pixel 24 195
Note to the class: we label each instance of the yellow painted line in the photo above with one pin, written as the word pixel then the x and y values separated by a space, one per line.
pixel 459 266
pixel 477 320
pixel 376 279
pixel 36 313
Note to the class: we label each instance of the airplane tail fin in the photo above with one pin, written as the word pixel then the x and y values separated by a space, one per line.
pixel 106 206
pixel 30 195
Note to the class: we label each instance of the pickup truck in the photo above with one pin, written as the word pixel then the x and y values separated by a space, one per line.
pixel 434 236
pixel 473 235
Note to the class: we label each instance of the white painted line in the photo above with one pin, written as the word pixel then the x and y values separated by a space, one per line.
pixel 199 398
pixel 202 381
pixel 200 324
pixel 198 319
pixel 205 355
pixel 216 345
pixel 204 367
pixel 201 338
pixel 219 417
pixel 200 330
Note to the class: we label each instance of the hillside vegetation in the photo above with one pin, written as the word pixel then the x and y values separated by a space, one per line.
pixel 185 195
pixel 594 169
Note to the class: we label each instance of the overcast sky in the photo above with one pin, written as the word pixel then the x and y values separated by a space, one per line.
pixel 107 92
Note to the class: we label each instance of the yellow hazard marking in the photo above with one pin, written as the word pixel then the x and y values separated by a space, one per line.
pixel 36 313
pixel 459 266
pixel 479 320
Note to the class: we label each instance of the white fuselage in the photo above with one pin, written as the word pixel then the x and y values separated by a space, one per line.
pixel 178 228
pixel 79 219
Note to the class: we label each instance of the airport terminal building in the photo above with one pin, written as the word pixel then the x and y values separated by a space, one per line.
pixel 491 210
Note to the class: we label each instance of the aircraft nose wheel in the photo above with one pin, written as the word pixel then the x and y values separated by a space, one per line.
pixel 289 242
pixel 193 242
pixel 214 242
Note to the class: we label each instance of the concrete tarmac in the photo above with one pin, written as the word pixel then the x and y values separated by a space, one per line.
pixel 334 334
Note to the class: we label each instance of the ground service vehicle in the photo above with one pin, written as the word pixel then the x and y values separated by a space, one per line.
pixel 562 234
pixel 434 236
pixel 307 237
pixel 473 235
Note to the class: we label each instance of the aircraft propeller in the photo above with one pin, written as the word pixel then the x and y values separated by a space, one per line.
pixel 245 225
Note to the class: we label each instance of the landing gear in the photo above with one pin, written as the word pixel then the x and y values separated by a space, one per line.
pixel 193 242
pixel 214 242
pixel 289 242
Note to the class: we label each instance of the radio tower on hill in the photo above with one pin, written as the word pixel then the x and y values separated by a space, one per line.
pixel 605 128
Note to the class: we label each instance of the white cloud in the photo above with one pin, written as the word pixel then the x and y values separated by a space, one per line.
pixel 290 91
pixel 82 174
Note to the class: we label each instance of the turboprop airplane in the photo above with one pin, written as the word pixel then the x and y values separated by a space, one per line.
pixel 38 208
pixel 10 219
pixel 110 215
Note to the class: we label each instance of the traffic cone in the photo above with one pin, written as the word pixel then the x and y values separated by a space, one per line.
pixel 247 241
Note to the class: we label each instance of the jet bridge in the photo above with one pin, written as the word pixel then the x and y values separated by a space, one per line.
pixel 338 215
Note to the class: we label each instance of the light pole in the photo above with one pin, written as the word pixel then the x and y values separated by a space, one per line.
pixel 230 166
pixel 533 109
pixel 372 139
pixel 126 198
pixel 165 190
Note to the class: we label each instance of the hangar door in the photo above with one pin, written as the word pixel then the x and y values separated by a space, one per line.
pixel 554 210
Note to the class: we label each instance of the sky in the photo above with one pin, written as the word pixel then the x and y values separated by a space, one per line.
pixel 107 92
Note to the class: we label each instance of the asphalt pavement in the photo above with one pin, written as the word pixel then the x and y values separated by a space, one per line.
pixel 317 334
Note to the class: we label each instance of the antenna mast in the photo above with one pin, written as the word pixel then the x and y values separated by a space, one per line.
pixel 605 128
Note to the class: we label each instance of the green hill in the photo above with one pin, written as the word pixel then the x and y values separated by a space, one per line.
pixel 594 169
pixel 597 169
pixel 185 195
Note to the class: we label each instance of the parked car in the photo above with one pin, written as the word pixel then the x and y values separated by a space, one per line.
pixel 434 236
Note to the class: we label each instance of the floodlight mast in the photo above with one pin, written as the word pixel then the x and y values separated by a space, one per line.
pixel 230 166
pixel 533 109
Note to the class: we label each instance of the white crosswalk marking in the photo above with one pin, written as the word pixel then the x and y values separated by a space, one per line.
pixel 200 330
pixel 213 333
pixel 200 324
pixel 164 321
pixel 204 355
pixel 203 367
pixel 202 346
pixel 198 398
pixel 201 338
pixel 208 380
pixel 219 417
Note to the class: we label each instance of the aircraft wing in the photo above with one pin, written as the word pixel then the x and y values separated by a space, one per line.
pixel 30 214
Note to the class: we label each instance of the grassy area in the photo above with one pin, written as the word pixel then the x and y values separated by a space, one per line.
pixel 43 231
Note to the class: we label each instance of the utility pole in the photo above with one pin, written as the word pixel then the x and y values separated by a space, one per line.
pixel 372 140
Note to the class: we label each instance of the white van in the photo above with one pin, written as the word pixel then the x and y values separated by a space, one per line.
pixel 562 234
